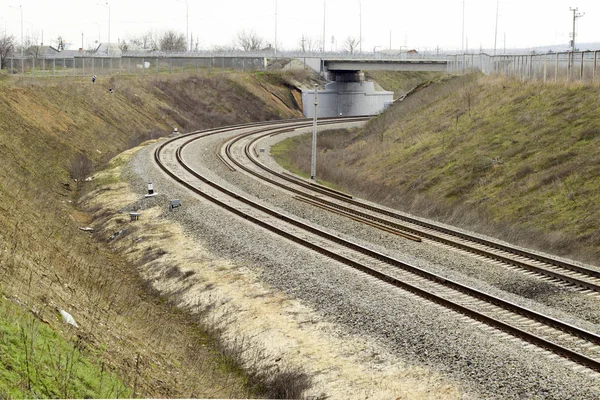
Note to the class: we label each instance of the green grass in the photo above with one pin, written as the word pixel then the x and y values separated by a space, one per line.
pixel 46 259
pixel 400 82
pixel 37 362
pixel 515 160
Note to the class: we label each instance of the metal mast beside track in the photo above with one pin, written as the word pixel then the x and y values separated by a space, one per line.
pixel 313 160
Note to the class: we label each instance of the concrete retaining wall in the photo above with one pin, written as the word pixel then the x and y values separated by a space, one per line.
pixel 347 99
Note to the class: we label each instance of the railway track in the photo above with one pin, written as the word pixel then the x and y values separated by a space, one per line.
pixel 570 274
pixel 548 334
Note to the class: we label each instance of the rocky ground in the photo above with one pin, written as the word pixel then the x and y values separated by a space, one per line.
pixel 357 337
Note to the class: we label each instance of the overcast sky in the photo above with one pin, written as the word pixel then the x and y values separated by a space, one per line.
pixel 420 24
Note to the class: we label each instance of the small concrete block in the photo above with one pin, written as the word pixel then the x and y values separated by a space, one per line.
pixel 174 204
pixel 134 216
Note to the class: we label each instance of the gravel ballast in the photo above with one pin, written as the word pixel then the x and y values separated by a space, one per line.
pixel 410 329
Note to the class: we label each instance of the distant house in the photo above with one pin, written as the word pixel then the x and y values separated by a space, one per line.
pixel 398 52
pixel 109 49
pixel 50 52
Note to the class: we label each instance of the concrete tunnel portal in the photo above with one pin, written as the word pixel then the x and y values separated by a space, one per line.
pixel 348 94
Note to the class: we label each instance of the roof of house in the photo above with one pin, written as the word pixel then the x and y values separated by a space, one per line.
pixel 109 49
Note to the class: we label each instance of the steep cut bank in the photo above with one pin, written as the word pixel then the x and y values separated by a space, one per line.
pixel 515 160
pixel 52 130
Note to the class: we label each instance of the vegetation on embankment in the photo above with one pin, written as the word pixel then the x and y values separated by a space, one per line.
pixel 401 82
pixel 46 365
pixel 54 129
pixel 515 160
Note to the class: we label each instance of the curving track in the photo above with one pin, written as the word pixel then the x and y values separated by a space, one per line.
pixel 549 334
pixel 571 274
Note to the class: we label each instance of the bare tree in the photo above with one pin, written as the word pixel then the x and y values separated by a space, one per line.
pixel 227 48
pixel 145 41
pixel 351 44
pixel 33 46
pixel 310 45
pixel 249 40
pixel 172 41
pixel 80 167
pixel 7 46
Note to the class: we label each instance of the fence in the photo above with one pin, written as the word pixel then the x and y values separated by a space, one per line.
pixel 550 67
pixel 87 66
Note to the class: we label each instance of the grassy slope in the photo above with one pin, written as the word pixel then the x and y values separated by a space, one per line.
pixel 515 160
pixel 52 367
pixel 47 263
pixel 400 82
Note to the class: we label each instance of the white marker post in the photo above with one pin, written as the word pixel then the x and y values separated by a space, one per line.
pixel 150 190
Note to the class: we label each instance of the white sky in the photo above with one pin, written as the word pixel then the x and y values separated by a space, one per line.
pixel 421 24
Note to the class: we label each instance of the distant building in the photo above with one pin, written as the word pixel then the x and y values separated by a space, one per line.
pixel 50 52
pixel 398 52
pixel 108 49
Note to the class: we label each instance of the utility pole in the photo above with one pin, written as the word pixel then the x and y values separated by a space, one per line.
pixel 108 46
pixel 22 43
pixel 576 15
pixel 187 25
pixel 324 10
pixel 496 30
pixel 313 159
pixel 188 41
pixel 462 43
pixel 360 26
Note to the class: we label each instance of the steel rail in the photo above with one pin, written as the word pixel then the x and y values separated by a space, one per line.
pixel 573 330
pixel 347 198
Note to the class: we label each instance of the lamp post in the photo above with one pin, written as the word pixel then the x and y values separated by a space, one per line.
pixel 360 26
pixel 22 44
pixel 108 45
pixel 496 30
pixel 187 24
pixel 324 15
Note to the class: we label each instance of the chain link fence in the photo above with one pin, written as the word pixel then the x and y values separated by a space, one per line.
pixel 549 67
pixel 88 66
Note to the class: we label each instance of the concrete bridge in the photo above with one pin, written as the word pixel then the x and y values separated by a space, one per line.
pixel 349 94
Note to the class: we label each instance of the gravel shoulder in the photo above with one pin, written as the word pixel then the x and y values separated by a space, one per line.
pixel 357 337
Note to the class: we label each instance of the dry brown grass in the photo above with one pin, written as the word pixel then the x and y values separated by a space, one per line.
pixel 512 160
pixel 46 262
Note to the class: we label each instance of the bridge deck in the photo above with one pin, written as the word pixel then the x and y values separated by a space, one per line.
pixel 385 65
